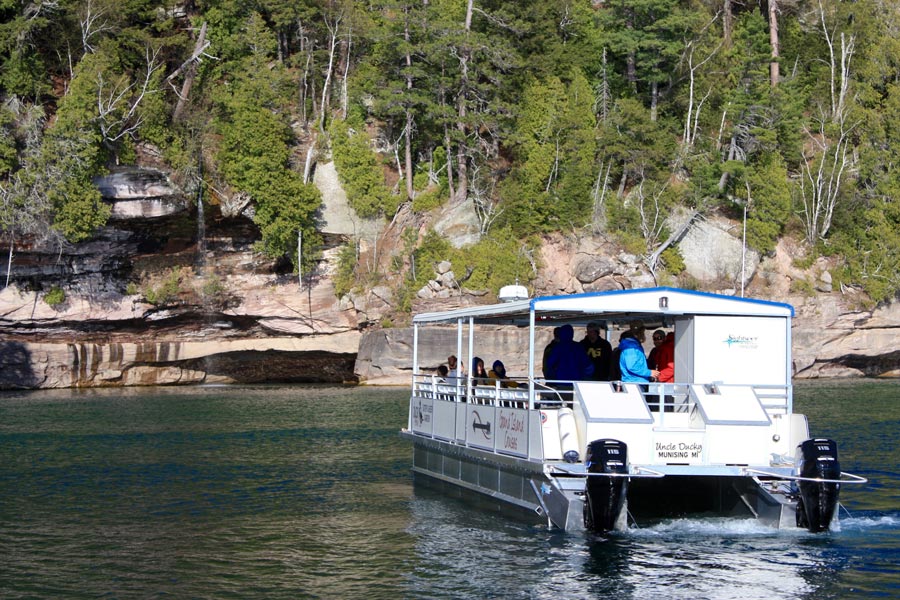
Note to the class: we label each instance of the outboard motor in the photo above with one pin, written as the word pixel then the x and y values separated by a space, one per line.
pixel 818 500
pixel 605 496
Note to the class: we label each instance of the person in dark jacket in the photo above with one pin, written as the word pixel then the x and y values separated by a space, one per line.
pixel 598 350
pixel 548 349
pixel 478 372
pixel 568 361
pixel 659 336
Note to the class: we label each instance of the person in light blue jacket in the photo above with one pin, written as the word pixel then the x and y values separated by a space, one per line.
pixel 632 362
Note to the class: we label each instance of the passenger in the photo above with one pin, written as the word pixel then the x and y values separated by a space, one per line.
pixel 453 368
pixel 599 350
pixel 615 373
pixel 632 362
pixel 548 349
pixel 665 359
pixel 659 336
pixel 637 328
pixel 442 379
pixel 665 365
pixel 479 375
pixel 498 373
pixel 568 361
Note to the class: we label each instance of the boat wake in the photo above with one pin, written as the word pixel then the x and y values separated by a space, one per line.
pixel 705 527
pixel 710 527
pixel 871 521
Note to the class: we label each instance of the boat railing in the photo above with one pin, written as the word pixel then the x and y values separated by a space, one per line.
pixel 514 392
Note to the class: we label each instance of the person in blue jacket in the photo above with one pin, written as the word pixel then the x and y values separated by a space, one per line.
pixel 568 360
pixel 632 362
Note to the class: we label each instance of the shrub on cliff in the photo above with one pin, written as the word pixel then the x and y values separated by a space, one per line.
pixel 55 297
pixel 163 290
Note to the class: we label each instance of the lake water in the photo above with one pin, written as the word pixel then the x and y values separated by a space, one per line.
pixel 306 492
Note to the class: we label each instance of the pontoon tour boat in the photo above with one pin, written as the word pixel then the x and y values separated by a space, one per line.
pixel 722 439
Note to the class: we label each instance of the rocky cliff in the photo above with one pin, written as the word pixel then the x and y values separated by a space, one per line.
pixel 222 314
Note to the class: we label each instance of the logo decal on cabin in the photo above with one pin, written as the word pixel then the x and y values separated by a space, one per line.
pixel 742 341
pixel 477 424
pixel 421 413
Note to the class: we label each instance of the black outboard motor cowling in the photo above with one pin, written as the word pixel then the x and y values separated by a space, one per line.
pixel 818 500
pixel 605 496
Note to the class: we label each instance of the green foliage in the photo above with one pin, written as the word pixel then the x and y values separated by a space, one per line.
pixel 254 157
pixel 164 290
pixel 499 259
pixel 869 243
pixel 770 203
pixel 55 297
pixel 344 278
pixel 622 217
pixel 803 286
pixel 529 101
pixel 360 172
pixel 428 200
pixel 8 152
pixel 639 147
pixel 24 33
pixel 432 250
pixel 555 142
pixel 672 260
pixel 804 262
pixel 689 282
pixel 78 206
pixel 429 196
pixel 212 287
pixel 646 37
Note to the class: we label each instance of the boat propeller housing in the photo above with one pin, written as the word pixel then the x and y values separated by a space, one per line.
pixel 820 471
pixel 607 484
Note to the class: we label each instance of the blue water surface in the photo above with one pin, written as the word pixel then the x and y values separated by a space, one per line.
pixel 305 492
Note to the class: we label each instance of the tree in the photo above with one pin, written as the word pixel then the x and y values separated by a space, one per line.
pixel 555 145
pixel 768 203
pixel 830 158
pixel 646 39
pixel 360 173
pixel 256 144
pixel 396 76
pixel 472 55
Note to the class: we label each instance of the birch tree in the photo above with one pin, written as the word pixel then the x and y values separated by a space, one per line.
pixel 829 158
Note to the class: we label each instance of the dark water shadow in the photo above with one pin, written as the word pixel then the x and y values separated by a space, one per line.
pixel 16 371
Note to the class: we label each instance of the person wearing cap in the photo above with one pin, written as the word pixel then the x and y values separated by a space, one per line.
pixel 599 350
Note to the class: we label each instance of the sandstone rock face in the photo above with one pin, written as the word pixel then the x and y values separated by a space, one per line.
pixel 830 341
pixel 136 192
pixel 713 250
pixel 136 183
pixel 337 217
pixel 239 317
pixel 459 224
pixel 294 359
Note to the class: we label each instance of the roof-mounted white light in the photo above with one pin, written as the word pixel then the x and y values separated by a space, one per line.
pixel 511 293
